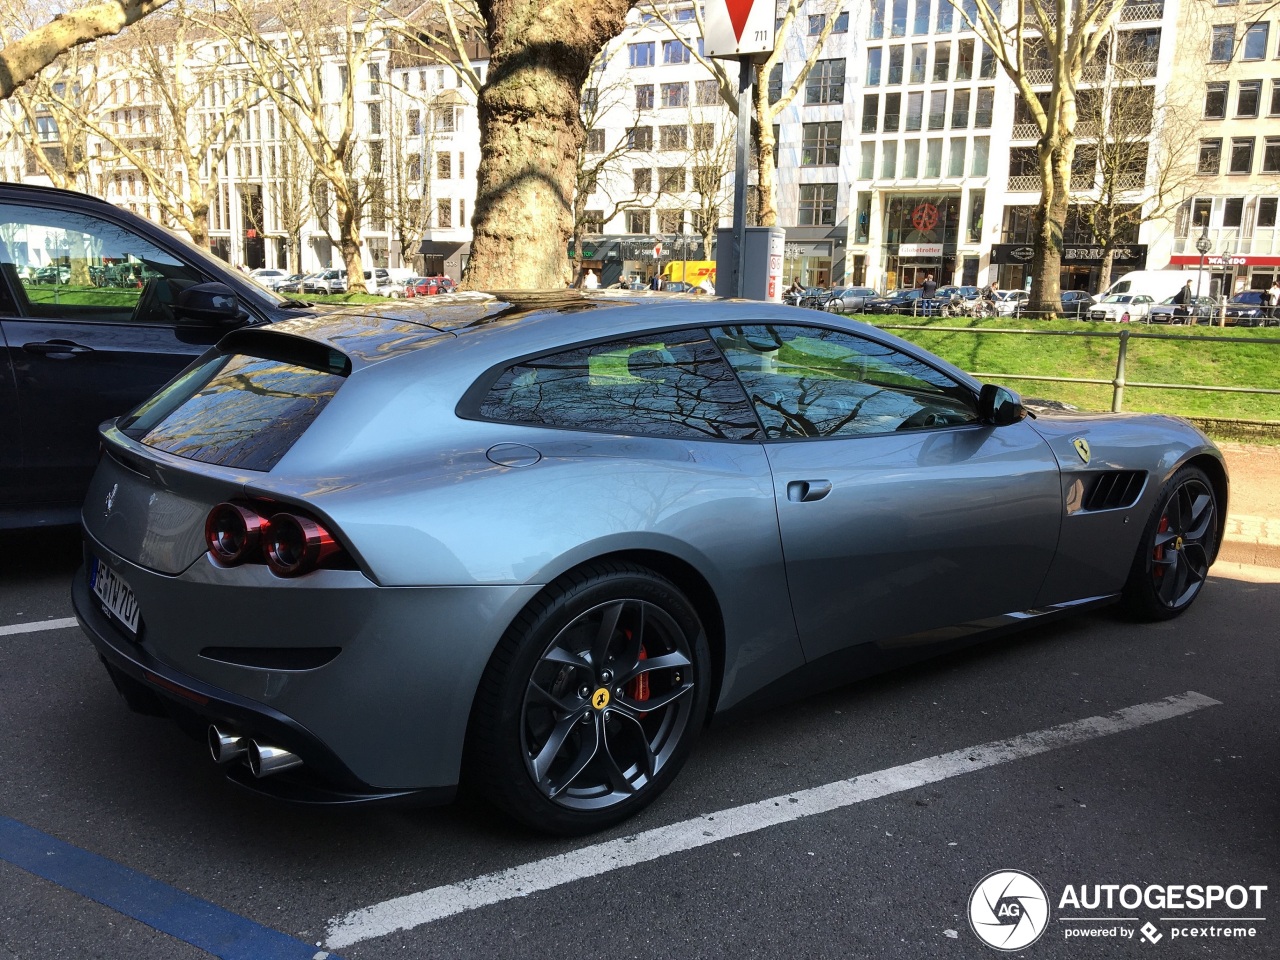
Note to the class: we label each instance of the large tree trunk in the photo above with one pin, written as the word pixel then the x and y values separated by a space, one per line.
pixel 349 241
pixel 530 133
pixel 1049 219
pixel 1108 260
pixel 766 157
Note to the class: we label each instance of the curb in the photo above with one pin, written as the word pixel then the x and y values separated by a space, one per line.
pixel 1251 540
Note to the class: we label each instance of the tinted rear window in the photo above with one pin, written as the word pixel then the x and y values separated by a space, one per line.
pixel 236 410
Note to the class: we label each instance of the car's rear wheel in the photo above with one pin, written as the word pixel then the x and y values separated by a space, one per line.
pixel 592 701
pixel 1178 544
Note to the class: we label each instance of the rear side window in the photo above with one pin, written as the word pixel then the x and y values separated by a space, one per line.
pixel 674 384
pixel 236 410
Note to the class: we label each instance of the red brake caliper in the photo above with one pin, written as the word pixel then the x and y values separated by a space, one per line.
pixel 638 689
pixel 1159 551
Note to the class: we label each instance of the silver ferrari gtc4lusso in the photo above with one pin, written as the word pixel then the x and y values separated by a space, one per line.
pixel 532 542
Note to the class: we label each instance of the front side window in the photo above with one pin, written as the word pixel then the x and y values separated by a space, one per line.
pixel 825 83
pixel 1215 101
pixel 811 382
pixel 1210 157
pixel 674 384
pixel 675 94
pixel 874 56
pixel 674 51
pixel 1248 98
pixel 1241 155
pixel 817 204
pixel 673 137
pixel 1223 44
pixel 821 145
pixel 1255 42
pixel 63 265
pixel 641 54
pixel 644 96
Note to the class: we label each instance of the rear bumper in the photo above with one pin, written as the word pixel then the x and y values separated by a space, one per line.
pixel 151 687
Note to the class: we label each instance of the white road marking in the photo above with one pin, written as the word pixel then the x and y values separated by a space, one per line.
pixel 427 906
pixel 37 626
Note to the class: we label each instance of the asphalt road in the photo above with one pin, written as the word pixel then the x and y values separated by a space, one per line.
pixel 886 871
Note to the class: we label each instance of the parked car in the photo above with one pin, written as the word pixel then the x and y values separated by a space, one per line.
pixel 428 286
pixel 539 554
pixel 1009 303
pixel 290 284
pixel 1204 309
pixel 1121 308
pixel 912 303
pixel 1246 309
pixel 378 281
pixel 59 273
pixel 1076 304
pixel 66 364
pixel 269 277
pixel 882 304
pixel 849 299
pixel 326 282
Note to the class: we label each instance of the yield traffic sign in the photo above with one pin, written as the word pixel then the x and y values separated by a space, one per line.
pixel 735 29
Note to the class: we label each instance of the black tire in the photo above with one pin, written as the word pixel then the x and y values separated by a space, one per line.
pixel 569 734
pixel 1178 544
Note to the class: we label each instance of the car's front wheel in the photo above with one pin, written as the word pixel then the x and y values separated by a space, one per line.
pixel 592 700
pixel 1178 544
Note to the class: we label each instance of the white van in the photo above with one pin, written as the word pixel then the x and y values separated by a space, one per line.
pixel 1159 285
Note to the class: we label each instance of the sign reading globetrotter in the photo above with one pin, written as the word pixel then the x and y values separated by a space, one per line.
pixel 733 29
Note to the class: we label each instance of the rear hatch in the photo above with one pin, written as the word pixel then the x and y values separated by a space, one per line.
pixel 224 423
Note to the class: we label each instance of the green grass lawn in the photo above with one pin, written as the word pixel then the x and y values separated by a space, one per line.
pixel 1178 360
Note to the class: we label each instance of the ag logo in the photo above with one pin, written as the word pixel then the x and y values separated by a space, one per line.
pixel 600 699
pixel 1008 910
pixel 1082 448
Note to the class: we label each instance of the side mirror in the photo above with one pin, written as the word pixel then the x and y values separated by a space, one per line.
pixel 208 305
pixel 999 406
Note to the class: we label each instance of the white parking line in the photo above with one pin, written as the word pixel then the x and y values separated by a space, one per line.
pixel 37 626
pixel 427 906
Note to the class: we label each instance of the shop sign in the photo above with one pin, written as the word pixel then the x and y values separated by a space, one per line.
pixel 919 249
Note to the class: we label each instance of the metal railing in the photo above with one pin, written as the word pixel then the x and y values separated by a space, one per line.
pixel 1119 381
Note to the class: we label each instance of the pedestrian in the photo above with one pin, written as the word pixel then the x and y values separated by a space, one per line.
pixel 1182 302
pixel 655 282
pixel 795 287
pixel 928 289
pixel 1275 299
pixel 590 281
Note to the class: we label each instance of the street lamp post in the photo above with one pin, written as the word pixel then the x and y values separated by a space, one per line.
pixel 1203 245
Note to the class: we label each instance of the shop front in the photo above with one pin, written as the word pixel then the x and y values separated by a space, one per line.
pixel 921 235
pixel 1081 264
pixel 1236 272
pixel 631 259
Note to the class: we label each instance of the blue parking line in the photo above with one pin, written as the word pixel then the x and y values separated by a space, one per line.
pixel 158 905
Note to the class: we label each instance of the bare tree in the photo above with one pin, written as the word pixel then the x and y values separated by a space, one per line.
pixel 767 107
pixel 409 186
pixel 294 187
pixel 1054 40
pixel 711 158
pixel 1136 146
pixel 27 48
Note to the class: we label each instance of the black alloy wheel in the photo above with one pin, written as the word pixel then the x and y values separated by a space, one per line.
pixel 1178 545
pixel 592 701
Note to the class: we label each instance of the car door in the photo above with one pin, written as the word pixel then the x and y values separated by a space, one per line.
pixel 901 514
pixel 82 350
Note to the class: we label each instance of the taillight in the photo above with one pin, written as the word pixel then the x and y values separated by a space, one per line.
pixel 289 543
pixel 296 545
pixel 233 533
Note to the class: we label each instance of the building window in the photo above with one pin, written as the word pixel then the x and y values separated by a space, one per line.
pixel 842 23
pixel 1210 157
pixel 898 18
pixel 671 221
pixel 414 167
pixel 590 100
pixel 911 159
pixel 896 56
pixel 960 110
pixel 1271 161
pixel 644 96
pixel 414 123
pixel 825 83
pixel 1241 155
pixel 817 204
pixel 933 159
pixel 674 51
pixel 870 112
pixel 981 153
pixel 1255 42
pixel 889 160
pixel 675 95
pixel 987 68
pixel 964 60
pixel 375 119
pixel 672 180
pixel 816 23
pixel 641 54
pixel 1215 101
pixel 642 178
pixel 874 56
pixel 1222 46
pixel 919 61
pixel 673 137
pixel 986 103
pixel 640 138
pixel 704 136
pixel 1232 211
pixel 942 60
pixel 444 214
pixel 956 168
pixel 637 221
pixel 867 160
pixel 708 93
pixel 821 144
pixel 915 111
pixel 937 109
pixel 593 222
pixel 1248 97
pixel 921 23
pixel 892 112
pixel 1275 99
pixel 595 141
pixel 444 166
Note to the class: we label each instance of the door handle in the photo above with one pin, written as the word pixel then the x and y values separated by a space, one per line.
pixel 57 348
pixel 806 491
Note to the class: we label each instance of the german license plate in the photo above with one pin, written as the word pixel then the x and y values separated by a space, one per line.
pixel 117 598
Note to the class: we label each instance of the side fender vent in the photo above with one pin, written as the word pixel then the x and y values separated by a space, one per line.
pixel 1114 490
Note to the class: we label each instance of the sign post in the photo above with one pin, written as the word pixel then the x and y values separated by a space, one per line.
pixel 741 30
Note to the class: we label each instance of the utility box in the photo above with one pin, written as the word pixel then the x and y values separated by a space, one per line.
pixel 763 272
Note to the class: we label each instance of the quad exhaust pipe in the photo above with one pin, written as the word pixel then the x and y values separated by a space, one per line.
pixel 263 759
